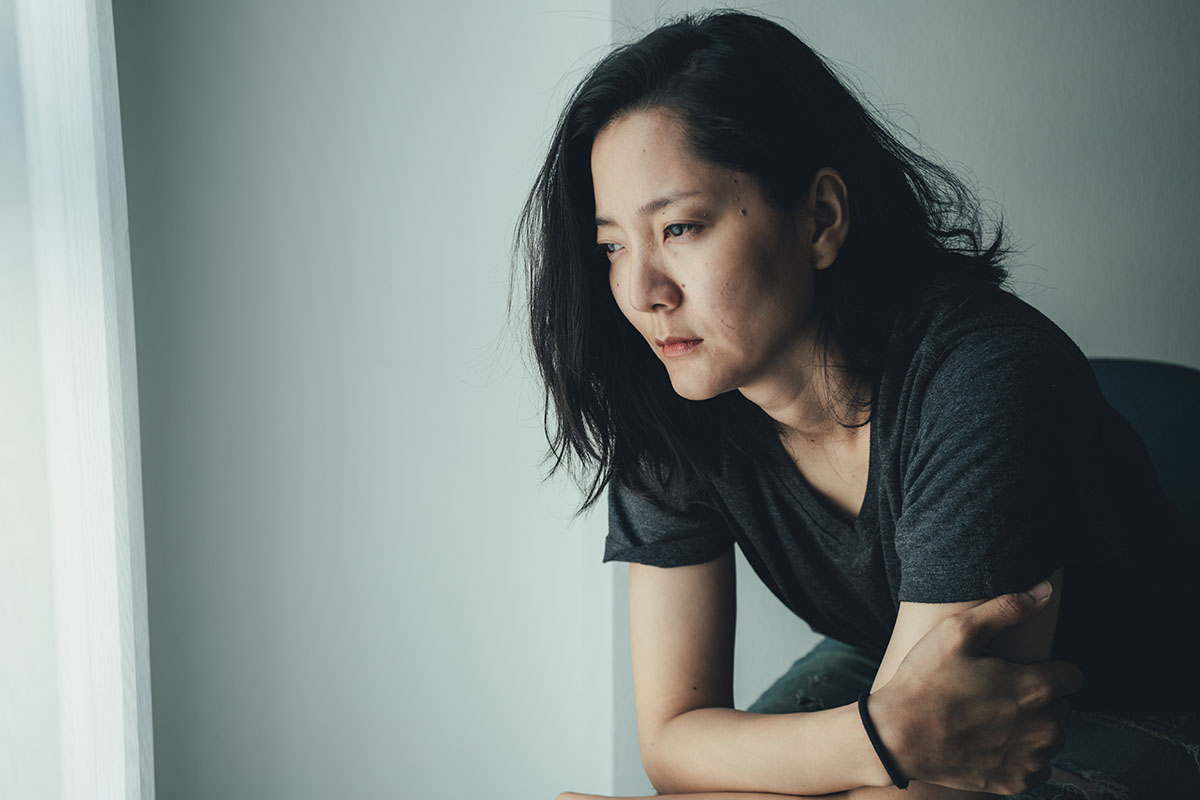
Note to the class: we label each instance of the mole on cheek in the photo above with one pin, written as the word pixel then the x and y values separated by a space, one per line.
pixel 743 212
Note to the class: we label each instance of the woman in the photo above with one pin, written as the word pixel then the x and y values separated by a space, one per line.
pixel 762 320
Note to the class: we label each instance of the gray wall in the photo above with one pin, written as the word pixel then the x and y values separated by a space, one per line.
pixel 29 729
pixel 1079 119
pixel 358 587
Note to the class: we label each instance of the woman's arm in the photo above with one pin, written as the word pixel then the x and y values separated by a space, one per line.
pixel 1026 643
pixel 692 739
pixel 1029 642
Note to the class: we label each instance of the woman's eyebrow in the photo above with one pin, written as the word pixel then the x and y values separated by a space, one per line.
pixel 652 206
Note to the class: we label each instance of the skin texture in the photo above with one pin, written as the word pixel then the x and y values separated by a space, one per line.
pixel 696 252
pixel 981 696
pixel 719 264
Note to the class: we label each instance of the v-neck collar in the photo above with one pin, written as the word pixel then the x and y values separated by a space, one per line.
pixel 829 518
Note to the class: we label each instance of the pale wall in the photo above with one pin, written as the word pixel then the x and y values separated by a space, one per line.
pixel 357 586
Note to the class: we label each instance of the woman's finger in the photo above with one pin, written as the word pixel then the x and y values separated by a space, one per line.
pixel 1060 711
pixel 1064 677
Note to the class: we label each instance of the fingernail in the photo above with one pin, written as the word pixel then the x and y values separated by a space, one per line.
pixel 1041 591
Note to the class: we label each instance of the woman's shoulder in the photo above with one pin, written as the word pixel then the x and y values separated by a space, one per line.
pixel 945 318
pixel 990 352
pixel 984 325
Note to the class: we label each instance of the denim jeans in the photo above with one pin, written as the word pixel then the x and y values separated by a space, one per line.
pixel 1149 757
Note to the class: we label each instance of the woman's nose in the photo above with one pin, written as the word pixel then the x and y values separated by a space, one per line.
pixel 651 287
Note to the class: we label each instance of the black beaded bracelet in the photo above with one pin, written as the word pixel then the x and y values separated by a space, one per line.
pixel 889 766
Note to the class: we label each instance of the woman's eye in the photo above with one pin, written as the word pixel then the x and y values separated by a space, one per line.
pixel 679 229
pixel 608 248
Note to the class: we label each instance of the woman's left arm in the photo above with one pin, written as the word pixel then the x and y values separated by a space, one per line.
pixel 1029 642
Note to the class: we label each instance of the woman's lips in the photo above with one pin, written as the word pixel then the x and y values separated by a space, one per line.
pixel 676 346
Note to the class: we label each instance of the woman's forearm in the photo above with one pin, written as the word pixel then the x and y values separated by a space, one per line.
pixel 700 796
pixel 725 750
pixel 915 791
pixel 950 714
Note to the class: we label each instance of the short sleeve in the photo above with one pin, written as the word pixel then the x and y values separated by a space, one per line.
pixel 990 497
pixel 648 531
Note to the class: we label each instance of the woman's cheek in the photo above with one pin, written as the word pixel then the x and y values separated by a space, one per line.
pixel 614 283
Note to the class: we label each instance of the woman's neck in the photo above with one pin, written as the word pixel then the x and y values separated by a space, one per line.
pixel 811 400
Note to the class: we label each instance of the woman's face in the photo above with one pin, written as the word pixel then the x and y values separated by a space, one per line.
pixel 715 278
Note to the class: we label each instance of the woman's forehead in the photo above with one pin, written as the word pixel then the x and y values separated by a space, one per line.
pixel 642 159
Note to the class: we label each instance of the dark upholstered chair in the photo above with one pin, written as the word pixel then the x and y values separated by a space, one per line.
pixel 1162 403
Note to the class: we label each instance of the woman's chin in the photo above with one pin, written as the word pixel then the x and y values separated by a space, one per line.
pixel 691 390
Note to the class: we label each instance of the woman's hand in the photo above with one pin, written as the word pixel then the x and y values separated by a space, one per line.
pixel 955 716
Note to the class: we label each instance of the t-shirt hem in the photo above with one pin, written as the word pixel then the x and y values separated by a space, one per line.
pixel 667 555
pixel 951 583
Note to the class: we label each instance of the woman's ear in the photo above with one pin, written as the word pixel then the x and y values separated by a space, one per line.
pixel 828 206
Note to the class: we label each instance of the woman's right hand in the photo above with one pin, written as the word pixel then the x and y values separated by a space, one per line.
pixel 956 716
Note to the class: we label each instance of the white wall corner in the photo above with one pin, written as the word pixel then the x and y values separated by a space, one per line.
pixel 85 310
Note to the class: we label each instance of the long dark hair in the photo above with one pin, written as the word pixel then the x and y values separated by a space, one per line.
pixel 753 98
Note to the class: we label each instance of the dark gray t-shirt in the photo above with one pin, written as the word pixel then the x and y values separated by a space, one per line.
pixel 994 459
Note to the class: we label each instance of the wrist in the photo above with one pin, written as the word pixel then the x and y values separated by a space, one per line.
pixel 893 741
pixel 863 765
